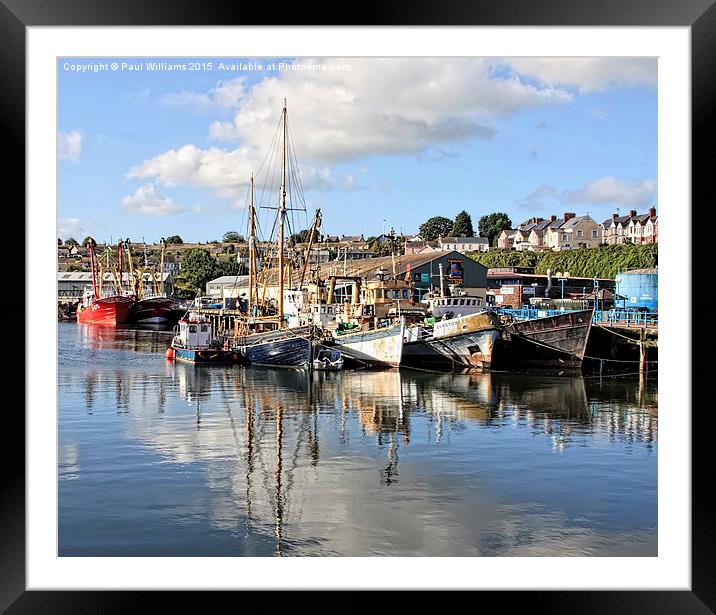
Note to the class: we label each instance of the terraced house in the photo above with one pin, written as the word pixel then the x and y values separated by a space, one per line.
pixel 634 228
pixel 567 233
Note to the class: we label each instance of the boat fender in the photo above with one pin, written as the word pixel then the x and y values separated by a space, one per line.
pixel 169 354
pixel 234 357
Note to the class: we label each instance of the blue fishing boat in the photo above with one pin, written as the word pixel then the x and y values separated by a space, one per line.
pixel 195 343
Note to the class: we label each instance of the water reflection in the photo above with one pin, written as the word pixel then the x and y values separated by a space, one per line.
pixel 362 462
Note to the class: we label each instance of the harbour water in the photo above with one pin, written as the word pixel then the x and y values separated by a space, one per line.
pixel 165 459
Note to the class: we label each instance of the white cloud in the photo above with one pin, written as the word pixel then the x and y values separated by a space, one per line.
pixel 70 227
pixel 588 74
pixel 613 191
pixel 382 106
pixel 69 145
pixel 225 171
pixel 147 201
pixel 225 94
pixel 379 106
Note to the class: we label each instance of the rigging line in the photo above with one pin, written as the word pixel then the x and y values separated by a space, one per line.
pixel 270 175
pixel 270 149
pixel 297 169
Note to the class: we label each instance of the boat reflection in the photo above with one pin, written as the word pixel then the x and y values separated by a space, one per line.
pixel 280 447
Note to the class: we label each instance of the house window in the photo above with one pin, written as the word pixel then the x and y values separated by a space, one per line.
pixel 594 234
pixel 580 233
pixel 564 237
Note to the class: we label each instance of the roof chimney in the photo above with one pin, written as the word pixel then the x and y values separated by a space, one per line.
pixel 552 218
pixel 568 215
pixel 615 216
pixel 632 213
pixel 652 212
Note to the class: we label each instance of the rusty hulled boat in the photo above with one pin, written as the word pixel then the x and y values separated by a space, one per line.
pixel 544 343
pixel 462 342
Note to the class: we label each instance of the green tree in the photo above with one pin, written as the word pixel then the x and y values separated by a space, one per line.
pixel 71 242
pixel 173 239
pixel 492 225
pixel 85 241
pixel 435 227
pixel 232 237
pixel 463 225
pixel 228 267
pixel 197 268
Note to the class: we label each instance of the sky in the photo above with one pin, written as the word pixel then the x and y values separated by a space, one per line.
pixel 153 147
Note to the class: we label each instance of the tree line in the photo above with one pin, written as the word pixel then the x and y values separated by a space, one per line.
pixel 489 226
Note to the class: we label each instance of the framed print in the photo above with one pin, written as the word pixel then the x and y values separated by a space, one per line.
pixel 444 225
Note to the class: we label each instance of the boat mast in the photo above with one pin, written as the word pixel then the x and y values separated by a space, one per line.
pixel 120 252
pixel 93 266
pixel 314 226
pixel 132 281
pixel 252 249
pixel 282 218
pixel 160 284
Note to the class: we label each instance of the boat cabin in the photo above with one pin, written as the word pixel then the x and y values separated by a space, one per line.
pixel 382 297
pixel 455 306
pixel 194 332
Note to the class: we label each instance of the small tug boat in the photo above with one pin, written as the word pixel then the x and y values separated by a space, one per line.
pixel 195 343
pixel 328 360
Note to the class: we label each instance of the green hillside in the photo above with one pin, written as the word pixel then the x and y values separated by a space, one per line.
pixel 602 262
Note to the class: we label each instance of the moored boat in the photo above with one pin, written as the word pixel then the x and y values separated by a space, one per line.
pixel 112 310
pixel 545 343
pixel 278 348
pixel 100 305
pixel 152 305
pixel 195 343
pixel 265 336
pixel 154 311
pixel 376 346
pixel 465 342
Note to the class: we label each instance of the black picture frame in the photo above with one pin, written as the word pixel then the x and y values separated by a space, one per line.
pixel 17 15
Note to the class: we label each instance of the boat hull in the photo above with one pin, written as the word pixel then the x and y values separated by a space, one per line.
pixel 106 311
pixel 375 347
pixel 287 348
pixel 545 343
pixel 471 350
pixel 154 311
pixel 208 355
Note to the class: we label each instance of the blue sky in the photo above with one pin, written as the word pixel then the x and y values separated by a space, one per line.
pixel 381 143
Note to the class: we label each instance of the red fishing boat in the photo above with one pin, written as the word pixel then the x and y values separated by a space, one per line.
pixel 112 310
pixel 104 308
